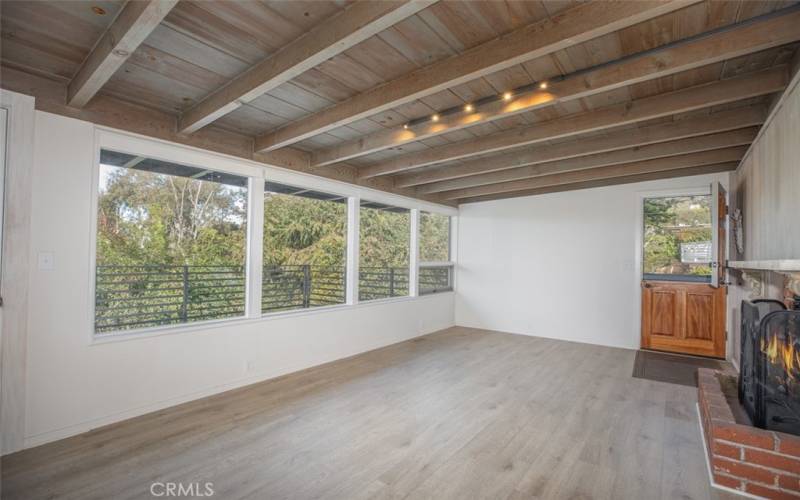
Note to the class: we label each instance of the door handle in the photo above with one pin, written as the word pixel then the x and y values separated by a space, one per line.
pixel 647 285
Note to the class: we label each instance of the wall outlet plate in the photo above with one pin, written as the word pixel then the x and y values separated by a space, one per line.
pixel 46 261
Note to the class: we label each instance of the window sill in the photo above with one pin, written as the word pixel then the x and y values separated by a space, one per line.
pixel 687 278
pixel 146 333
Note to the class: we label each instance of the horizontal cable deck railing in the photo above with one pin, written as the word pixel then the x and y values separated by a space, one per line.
pixel 132 297
pixel 301 286
pixel 382 282
pixel 435 279
pixel 129 297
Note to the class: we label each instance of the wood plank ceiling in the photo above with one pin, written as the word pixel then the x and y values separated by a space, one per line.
pixel 450 101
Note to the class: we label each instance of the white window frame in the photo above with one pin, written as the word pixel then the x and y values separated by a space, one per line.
pixel 638 249
pixel 4 125
pixel 413 252
pixel 257 173
pixel 252 270
pixel 353 250
pixel 451 263
pixel 414 263
pixel 351 255
pixel 255 241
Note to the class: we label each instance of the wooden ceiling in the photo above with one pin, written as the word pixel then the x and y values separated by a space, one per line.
pixel 451 101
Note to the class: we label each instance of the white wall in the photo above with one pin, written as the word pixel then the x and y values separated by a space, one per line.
pixel 74 385
pixel 561 265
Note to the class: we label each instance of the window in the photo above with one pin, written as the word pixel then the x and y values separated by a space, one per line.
pixel 434 237
pixel 677 238
pixel 384 243
pixel 435 272
pixel 171 243
pixel 305 247
pixel 181 241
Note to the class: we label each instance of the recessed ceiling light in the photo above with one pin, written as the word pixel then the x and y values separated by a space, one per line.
pixel 507 96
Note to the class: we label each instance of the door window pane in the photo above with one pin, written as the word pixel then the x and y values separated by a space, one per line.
pixel 384 243
pixel 305 246
pixel 677 237
pixel 171 243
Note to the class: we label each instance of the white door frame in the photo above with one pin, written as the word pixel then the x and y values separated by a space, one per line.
pixel 15 267
pixel 638 260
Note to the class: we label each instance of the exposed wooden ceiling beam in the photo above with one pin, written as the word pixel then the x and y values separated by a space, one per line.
pixel 565 29
pixel 729 42
pixel 620 170
pixel 629 179
pixel 741 137
pixel 136 20
pixel 109 111
pixel 352 26
pixel 700 96
pixel 690 127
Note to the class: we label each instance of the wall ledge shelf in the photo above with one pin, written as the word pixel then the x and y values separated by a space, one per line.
pixel 780 265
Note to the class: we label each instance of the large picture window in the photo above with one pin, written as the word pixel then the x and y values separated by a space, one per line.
pixel 171 243
pixel 384 244
pixel 180 242
pixel 305 248
pixel 436 270
pixel 677 238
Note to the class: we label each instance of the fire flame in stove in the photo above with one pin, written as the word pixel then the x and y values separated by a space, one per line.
pixel 777 350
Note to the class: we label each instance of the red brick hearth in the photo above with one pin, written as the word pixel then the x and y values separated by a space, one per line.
pixel 746 458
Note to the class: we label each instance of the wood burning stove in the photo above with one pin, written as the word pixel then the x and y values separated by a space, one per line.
pixel 769 380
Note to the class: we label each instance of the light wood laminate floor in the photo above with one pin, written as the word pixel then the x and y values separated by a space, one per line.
pixel 461 413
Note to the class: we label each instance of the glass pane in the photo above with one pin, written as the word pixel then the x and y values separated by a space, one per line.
pixel 434 237
pixel 677 236
pixel 171 243
pixel 384 243
pixel 435 279
pixel 305 248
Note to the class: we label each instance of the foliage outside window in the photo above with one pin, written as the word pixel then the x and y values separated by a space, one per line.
pixel 305 244
pixel 171 244
pixel 434 237
pixel 677 237
pixel 434 246
pixel 384 243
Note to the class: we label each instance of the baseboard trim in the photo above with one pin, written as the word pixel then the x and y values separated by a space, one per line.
pixel 89 425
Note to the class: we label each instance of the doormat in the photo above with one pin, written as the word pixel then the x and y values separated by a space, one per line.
pixel 672 368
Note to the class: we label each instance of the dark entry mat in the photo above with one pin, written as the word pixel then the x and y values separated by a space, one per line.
pixel 672 368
